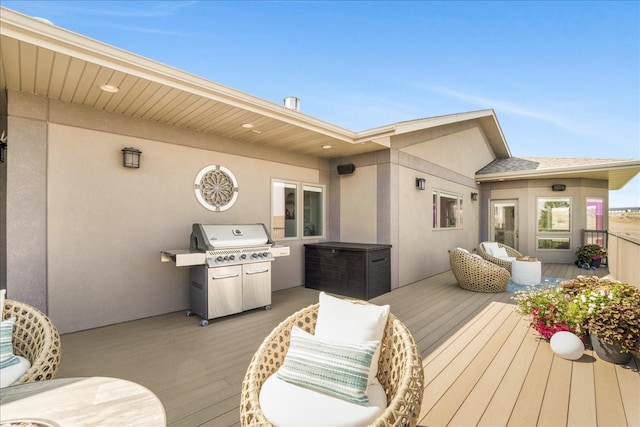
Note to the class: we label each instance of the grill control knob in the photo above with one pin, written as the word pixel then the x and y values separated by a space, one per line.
pixel 265 254
pixel 243 256
pixel 219 259
pixel 226 258
pixel 232 257
pixel 254 255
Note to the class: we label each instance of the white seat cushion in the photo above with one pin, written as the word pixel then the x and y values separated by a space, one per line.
pixel 12 373
pixel 286 404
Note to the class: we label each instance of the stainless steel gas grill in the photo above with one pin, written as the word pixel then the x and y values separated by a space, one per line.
pixel 230 268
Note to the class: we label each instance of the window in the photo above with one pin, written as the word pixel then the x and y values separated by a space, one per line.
pixel 447 210
pixel 554 243
pixel 313 205
pixel 595 214
pixel 288 217
pixel 284 205
pixel 554 223
pixel 554 215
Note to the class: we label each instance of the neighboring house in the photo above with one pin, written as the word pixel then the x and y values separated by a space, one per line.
pixel 82 235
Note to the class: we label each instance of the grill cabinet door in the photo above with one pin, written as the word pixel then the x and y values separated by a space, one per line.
pixel 225 291
pixel 256 285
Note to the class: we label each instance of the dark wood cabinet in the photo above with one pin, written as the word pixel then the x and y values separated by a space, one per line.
pixel 355 270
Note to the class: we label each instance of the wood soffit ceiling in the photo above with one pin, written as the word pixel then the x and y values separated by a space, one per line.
pixel 48 61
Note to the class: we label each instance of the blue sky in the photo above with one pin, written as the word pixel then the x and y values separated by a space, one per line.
pixel 563 77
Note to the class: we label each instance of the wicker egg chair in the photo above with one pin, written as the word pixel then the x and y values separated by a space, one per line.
pixel 504 263
pixel 400 370
pixel 36 339
pixel 476 274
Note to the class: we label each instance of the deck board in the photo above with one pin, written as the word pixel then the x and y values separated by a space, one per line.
pixel 483 364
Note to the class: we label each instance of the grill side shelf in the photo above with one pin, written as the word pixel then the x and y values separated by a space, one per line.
pixel 183 257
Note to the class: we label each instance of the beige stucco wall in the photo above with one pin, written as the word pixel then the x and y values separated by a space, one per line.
pixel 26 183
pixel 358 206
pixel 383 189
pixel 527 192
pixel 85 233
pixel 447 162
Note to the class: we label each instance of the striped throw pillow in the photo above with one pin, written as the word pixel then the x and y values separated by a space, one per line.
pixel 336 369
pixel 7 358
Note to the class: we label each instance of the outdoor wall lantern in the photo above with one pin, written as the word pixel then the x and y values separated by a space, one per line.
pixel 558 187
pixel 474 196
pixel 131 157
pixel 3 146
pixel 420 183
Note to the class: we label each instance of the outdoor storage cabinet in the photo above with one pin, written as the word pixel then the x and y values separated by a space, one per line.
pixel 355 270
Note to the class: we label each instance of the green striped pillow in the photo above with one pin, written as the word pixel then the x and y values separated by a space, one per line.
pixel 7 358
pixel 336 369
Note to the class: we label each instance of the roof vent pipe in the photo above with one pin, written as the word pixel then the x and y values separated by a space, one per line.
pixel 292 102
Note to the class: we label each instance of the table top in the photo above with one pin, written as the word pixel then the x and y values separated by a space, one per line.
pixel 361 247
pixel 526 262
pixel 92 401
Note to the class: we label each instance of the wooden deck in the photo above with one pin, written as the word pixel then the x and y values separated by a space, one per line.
pixel 483 364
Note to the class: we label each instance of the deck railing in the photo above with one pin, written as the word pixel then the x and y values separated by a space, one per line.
pixel 623 255
pixel 598 237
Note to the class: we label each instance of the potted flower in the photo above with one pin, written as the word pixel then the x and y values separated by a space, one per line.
pixel 608 312
pixel 590 255
pixel 614 327
pixel 548 310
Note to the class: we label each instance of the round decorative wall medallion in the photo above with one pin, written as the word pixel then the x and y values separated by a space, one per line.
pixel 216 188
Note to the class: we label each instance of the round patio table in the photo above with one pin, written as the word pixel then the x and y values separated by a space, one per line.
pixel 526 272
pixel 93 401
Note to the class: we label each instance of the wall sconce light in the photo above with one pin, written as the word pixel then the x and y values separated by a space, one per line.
pixel 420 183
pixel 3 146
pixel 558 187
pixel 474 196
pixel 131 157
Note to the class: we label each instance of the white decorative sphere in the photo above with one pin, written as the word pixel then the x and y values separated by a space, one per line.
pixel 567 345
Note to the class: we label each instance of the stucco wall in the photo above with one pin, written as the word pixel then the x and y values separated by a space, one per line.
pixel 86 233
pixel 383 189
pixel 526 193
pixel 26 183
pixel 447 162
pixel 358 206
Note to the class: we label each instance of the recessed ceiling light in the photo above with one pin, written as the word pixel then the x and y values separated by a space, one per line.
pixel 255 131
pixel 109 88
pixel 247 125
pixel 326 147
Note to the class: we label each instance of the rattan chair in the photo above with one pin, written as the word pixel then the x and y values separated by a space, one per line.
pixel 476 274
pixel 400 370
pixel 35 338
pixel 504 263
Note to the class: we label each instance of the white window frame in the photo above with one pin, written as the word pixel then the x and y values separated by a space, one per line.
pixel 458 216
pixel 303 208
pixel 556 236
pixel 278 210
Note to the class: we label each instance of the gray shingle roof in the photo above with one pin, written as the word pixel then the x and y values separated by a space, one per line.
pixel 522 164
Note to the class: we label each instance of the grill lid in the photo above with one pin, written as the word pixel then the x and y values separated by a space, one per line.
pixel 206 237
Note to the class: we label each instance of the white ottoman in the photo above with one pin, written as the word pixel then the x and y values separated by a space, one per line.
pixel 526 272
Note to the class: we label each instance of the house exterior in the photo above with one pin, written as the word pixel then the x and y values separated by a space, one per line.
pixel 82 235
